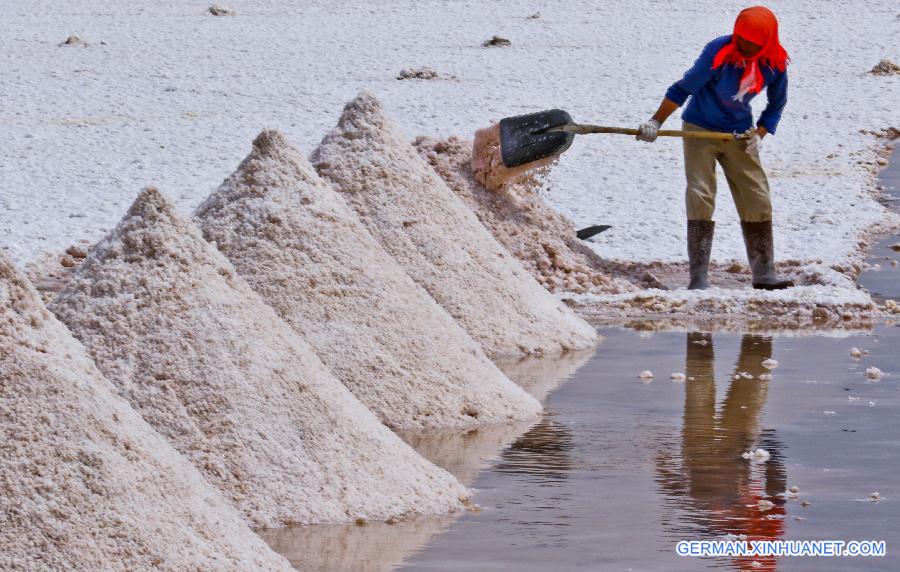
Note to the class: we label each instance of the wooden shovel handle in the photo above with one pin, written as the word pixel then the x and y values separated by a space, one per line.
pixel 585 129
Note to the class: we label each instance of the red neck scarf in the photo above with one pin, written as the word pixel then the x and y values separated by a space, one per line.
pixel 758 25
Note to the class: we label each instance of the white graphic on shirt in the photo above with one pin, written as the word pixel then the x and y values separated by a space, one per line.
pixel 746 83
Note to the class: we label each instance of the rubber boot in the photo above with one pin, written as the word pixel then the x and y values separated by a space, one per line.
pixel 760 254
pixel 699 242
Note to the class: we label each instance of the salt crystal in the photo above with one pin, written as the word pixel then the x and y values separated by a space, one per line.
pixel 74 41
pixel 874 373
pixel 418 73
pixel 794 489
pixel 852 398
pixel 770 363
pixel 756 456
pixel 677 377
pixel 217 10
pixel 871 404
pixel 856 353
pixel 765 377
pixel 830 412
pixel 646 374
pixel 875 497
pixel 765 505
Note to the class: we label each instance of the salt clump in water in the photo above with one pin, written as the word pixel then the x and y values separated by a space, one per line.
pixel 234 388
pixel 646 374
pixel 86 483
pixel 439 241
pixel 874 373
pixel 677 377
pixel 770 363
pixel 298 244
pixel 765 505
pixel 757 456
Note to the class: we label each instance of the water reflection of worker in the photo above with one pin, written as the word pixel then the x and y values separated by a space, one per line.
pixel 719 489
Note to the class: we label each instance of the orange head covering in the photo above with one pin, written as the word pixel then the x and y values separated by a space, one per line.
pixel 758 25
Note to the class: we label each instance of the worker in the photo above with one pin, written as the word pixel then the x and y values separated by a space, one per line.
pixel 730 71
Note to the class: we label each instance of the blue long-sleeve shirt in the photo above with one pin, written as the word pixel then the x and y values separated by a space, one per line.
pixel 711 92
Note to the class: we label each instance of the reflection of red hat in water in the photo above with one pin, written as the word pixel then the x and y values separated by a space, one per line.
pixel 758 25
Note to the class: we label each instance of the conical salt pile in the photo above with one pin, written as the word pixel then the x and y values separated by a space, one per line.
pixel 439 241
pixel 292 237
pixel 85 483
pixel 233 387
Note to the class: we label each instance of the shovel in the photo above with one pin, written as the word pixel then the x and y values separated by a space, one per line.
pixel 527 138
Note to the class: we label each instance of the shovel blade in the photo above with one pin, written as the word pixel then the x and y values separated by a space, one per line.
pixel 591 231
pixel 524 139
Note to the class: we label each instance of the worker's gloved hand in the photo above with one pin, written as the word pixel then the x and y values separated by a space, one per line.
pixel 648 130
pixel 754 144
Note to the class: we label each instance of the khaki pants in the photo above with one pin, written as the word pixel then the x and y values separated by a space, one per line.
pixel 744 173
